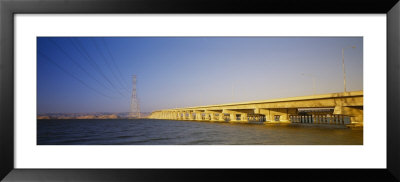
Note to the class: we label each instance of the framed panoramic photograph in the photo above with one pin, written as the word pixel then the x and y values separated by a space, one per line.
pixel 96 104
pixel 125 91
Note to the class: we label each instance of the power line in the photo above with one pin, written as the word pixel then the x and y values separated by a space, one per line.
pixel 76 63
pixel 114 62
pixel 97 68
pixel 105 60
pixel 73 76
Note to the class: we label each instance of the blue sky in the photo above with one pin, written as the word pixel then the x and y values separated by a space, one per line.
pixel 94 74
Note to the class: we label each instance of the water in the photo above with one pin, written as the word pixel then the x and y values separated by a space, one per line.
pixel 168 132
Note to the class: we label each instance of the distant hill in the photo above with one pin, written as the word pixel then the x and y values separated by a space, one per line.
pixel 98 115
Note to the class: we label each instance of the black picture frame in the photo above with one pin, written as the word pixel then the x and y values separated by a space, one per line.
pixel 8 8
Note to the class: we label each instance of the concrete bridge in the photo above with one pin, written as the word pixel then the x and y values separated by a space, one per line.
pixel 336 108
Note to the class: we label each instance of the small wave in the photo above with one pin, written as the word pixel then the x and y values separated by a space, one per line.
pixel 198 142
pixel 130 136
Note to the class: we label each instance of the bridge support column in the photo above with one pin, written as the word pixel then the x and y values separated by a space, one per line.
pixel 207 116
pixel 243 117
pixel 232 116
pixel 174 115
pixel 272 114
pixel 354 112
pixel 210 115
pixel 199 116
pixel 184 116
pixel 221 117
pixel 190 116
pixel 180 117
pixel 237 115
pixel 267 113
pixel 215 117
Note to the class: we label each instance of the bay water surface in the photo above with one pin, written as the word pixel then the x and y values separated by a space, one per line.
pixel 170 132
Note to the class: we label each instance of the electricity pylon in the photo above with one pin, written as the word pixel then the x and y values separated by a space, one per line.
pixel 135 108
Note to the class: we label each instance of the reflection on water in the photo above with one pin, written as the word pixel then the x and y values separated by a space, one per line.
pixel 167 132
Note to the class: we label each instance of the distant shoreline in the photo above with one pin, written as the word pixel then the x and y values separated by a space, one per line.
pixel 86 118
pixel 89 116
